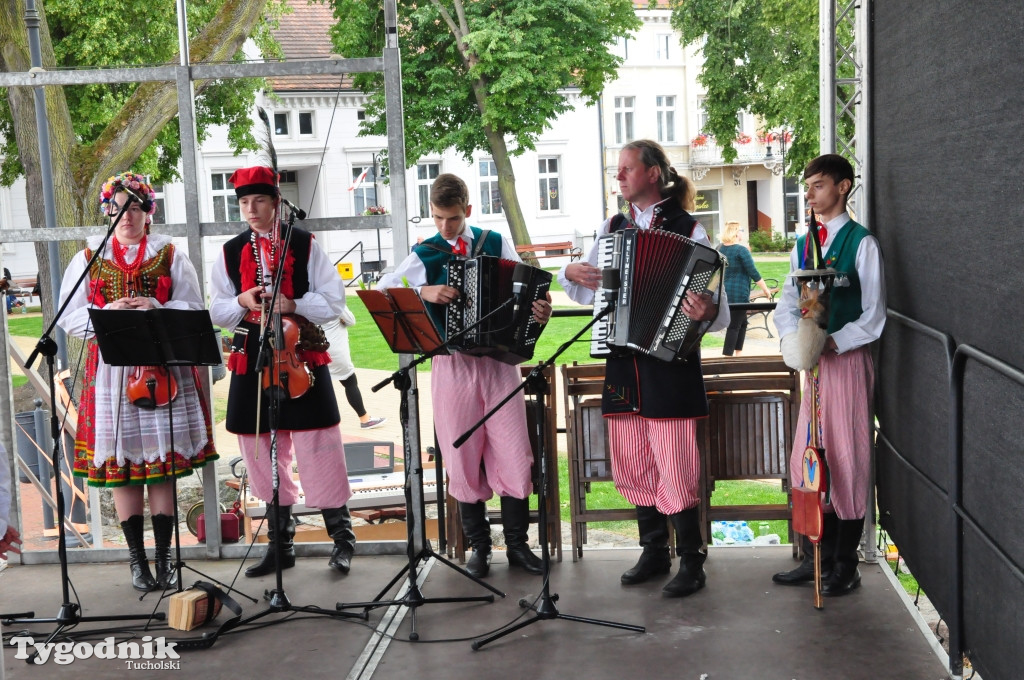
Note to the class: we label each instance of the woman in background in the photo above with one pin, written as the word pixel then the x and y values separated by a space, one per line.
pixel 738 275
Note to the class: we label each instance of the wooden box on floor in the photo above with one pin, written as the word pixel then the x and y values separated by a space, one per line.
pixel 189 609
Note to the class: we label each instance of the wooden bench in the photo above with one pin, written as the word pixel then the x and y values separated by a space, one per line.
pixel 754 403
pixel 23 288
pixel 560 249
pixel 757 295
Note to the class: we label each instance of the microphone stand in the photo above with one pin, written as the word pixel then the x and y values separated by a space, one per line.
pixel 277 599
pixel 545 609
pixel 419 547
pixel 69 613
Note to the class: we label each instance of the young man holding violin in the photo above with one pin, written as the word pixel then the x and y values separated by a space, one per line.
pixel 311 292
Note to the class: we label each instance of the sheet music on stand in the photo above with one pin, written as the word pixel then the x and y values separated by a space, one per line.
pixel 156 337
pixel 406 326
pixel 403 320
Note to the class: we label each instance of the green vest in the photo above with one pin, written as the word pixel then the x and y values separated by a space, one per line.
pixel 435 253
pixel 844 303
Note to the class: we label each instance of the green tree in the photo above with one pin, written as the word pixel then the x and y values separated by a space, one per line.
pixel 98 130
pixel 486 75
pixel 760 56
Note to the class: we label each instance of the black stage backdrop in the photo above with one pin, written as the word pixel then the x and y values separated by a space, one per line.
pixel 948 207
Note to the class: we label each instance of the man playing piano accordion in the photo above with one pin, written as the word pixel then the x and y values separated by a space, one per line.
pixel 498 457
pixel 652 405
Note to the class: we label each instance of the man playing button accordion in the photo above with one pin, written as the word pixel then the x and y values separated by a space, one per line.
pixel 498 457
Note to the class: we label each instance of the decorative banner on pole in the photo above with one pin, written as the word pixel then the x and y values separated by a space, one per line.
pixel 359 180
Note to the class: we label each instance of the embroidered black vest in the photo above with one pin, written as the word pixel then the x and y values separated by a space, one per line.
pixel 640 384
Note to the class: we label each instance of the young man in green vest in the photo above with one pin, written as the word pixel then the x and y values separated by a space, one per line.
pixel 498 457
pixel 845 371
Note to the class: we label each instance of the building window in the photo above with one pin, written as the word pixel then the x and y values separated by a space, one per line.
pixel 624 119
pixel 426 173
pixel 281 124
pixel 708 212
pixel 666 109
pixel 622 48
pixel 490 197
pixel 662 43
pixel 547 174
pixel 225 203
pixel 702 117
pixel 364 193
pixel 361 114
pixel 305 123
pixel 159 216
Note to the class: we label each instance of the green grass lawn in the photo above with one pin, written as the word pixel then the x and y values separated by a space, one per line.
pixel 602 495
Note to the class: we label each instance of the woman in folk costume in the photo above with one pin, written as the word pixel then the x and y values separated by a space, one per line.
pixel 120 444
pixel 311 292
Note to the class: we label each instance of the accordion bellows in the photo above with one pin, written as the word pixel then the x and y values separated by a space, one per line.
pixel 656 269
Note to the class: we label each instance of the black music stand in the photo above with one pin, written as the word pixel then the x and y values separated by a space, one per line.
pixel 166 338
pixel 545 609
pixel 405 324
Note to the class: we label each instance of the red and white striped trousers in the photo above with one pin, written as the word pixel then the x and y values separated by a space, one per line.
pixel 655 462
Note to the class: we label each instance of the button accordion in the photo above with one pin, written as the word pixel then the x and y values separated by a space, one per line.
pixel 486 283
pixel 656 269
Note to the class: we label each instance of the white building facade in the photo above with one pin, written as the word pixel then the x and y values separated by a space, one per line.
pixel 566 187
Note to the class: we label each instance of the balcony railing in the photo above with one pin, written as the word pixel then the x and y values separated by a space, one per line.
pixel 751 152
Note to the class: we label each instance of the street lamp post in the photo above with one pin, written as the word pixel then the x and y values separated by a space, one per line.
pixel 785 220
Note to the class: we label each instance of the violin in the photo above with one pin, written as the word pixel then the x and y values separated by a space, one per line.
pixel 148 387
pixel 287 376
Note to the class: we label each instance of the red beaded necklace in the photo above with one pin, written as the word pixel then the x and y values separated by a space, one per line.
pixel 131 270
pixel 120 251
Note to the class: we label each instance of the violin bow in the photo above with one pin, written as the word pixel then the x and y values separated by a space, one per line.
pixel 275 233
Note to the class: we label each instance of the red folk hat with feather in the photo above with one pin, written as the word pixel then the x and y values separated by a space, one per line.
pixel 258 179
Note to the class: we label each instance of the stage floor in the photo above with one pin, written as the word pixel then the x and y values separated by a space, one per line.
pixel 741 627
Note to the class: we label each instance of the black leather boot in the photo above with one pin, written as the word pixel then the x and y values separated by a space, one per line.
pixel 477 528
pixel 163 530
pixel 142 577
pixel 690 546
pixel 339 527
pixel 845 576
pixel 805 572
pixel 515 522
pixel 279 528
pixel 654 560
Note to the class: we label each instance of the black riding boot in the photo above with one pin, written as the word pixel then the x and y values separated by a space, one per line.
pixel 805 572
pixel 142 577
pixel 655 559
pixel 845 574
pixel 339 527
pixel 690 546
pixel 515 522
pixel 477 528
pixel 163 530
pixel 279 528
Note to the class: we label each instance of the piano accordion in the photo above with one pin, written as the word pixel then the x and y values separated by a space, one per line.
pixel 656 269
pixel 485 284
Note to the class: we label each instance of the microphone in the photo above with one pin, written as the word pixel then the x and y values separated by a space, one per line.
pixel 298 212
pixel 144 203
pixel 520 277
pixel 611 281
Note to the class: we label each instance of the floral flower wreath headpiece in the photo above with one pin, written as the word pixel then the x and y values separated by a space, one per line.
pixel 129 180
